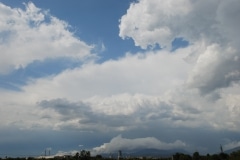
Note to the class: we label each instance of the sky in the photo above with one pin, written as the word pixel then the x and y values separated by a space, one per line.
pixel 109 75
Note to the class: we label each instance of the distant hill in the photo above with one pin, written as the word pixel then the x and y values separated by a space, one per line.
pixel 147 153
pixel 232 150
pixel 154 152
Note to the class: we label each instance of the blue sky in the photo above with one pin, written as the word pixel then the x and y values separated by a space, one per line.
pixel 95 22
pixel 105 75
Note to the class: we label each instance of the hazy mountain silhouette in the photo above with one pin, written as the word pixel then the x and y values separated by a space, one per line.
pixel 232 150
pixel 147 153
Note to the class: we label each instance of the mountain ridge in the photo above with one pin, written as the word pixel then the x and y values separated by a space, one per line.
pixel 146 153
pixel 229 151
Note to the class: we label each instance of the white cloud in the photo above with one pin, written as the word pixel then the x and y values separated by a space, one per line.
pixel 147 73
pixel 137 84
pixel 228 17
pixel 150 22
pixel 216 67
pixel 211 23
pixel 159 21
pixel 33 34
pixel 64 153
pixel 141 89
pixel 119 143
pixel 105 87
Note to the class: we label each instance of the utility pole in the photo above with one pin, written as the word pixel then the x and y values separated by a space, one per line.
pixel 221 148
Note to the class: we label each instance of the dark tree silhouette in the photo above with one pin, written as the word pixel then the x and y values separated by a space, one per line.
pixel 76 156
pixel 85 155
pixel 196 156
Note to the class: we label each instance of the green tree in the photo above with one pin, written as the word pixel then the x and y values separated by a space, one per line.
pixel 215 157
pixel 223 156
pixel 85 155
pixel 98 156
pixel 235 155
pixel 76 156
pixel 181 156
pixel 196 156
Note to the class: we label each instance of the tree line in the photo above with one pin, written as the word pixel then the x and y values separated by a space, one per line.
pixel 86 155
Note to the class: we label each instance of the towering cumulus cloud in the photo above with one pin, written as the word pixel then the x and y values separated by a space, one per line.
pixel 154 22
pixel 211 24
